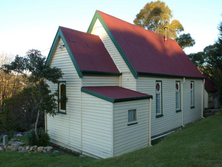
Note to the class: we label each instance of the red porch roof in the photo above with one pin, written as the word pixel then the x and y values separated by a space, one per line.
pixel 209 85
pixel 115 93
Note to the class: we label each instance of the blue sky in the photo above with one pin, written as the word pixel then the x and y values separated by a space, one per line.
pixel 26 24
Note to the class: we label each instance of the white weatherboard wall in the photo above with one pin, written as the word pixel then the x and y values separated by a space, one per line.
pixel 97 126
pixel 171 118
pixel 192 114
pixel 133 137
pixel 100 81
pixel 205 99
pixel 127 80
pixel 63 129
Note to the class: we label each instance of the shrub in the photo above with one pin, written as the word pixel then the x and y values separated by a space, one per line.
pixel 43 140
pixel 18 113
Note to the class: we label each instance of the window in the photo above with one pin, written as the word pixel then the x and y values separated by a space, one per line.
pixel 210 99
pixel 132 117
pixel 62 97
pixel 178 96
pixel 159 99
pixel 192 94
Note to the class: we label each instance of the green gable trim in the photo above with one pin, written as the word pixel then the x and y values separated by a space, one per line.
pixel 206 89
pixel 97 95
pixel 160 115
pixel 146 74
pixel 97 16
pixel 100 73
pixel 59 34
pixel 111 99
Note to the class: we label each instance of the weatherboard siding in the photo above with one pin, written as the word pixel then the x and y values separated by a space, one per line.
pixel 127 79
pixel 192 114
pixel 171 118
pixel 133 137
pixel 66 129
pixel 97 126
pixel 205 99
pixel 100 81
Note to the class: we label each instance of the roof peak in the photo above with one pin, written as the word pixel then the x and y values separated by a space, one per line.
pixel 143 29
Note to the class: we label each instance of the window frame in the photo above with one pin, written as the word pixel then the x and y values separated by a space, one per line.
pixel 160 92
pixel 210 99
pixel 192 94
pixel 133 122
pixel 62 111
pixel 179 96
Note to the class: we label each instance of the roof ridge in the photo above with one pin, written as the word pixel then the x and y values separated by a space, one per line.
pixel 134 25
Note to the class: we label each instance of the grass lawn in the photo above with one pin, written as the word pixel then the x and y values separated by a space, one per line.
pixel 198 145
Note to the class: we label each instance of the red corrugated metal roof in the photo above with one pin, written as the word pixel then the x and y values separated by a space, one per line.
pixel 89 51
pixel 147 51
pixel 209 85
pixel 115 93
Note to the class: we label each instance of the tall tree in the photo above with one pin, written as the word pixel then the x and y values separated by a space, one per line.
pixel 210 61
pixel 214 59
pixel 10 84
pixel 155 16
pixel 34 68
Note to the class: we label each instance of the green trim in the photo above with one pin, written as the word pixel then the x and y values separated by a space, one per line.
pixel 178 110
pixel 161 94
pixel 61 112
pixel 111 99
pixel 160 115
pixel 193 106
pixel 129 124
pixel 97 16
pixel 146 74
pixel 59 34
pixel 100 73
pixel 206 89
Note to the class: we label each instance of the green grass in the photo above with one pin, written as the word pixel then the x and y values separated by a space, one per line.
pixel 198 145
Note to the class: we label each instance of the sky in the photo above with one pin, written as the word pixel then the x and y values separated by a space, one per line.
pixel 32 24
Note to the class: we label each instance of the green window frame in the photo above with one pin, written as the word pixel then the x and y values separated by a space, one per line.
pixel 159 99
pixel 62 97
pixel 178 96
pixel 132 117
pixel 192 94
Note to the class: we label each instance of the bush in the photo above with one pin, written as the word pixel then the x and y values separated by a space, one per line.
pixel 43 140
pixel 18 113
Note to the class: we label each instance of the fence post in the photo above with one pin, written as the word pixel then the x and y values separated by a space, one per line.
pixel 5 140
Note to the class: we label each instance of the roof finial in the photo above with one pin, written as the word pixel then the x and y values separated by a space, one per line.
pixel 165 37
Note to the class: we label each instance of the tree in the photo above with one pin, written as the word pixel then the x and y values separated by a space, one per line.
pixel 214 59
pixel 34 68
pixel 155 16
pixel 210 61
pixel 185 40
pixel 10 84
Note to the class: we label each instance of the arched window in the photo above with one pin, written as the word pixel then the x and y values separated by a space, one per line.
pixel 62 97
pixel 159 111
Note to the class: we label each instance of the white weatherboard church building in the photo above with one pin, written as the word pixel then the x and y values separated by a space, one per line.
pixel 124 84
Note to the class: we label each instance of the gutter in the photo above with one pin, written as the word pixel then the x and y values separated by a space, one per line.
pixel 202 99
pixel 149 128
pixel 182 102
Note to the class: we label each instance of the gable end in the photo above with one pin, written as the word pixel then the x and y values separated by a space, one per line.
pixel 97 16
pixel 59 34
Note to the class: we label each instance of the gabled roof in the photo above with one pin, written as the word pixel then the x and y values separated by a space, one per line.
pixel 209 85
pixel 115 93
pixel 86 51
pixel 145 52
